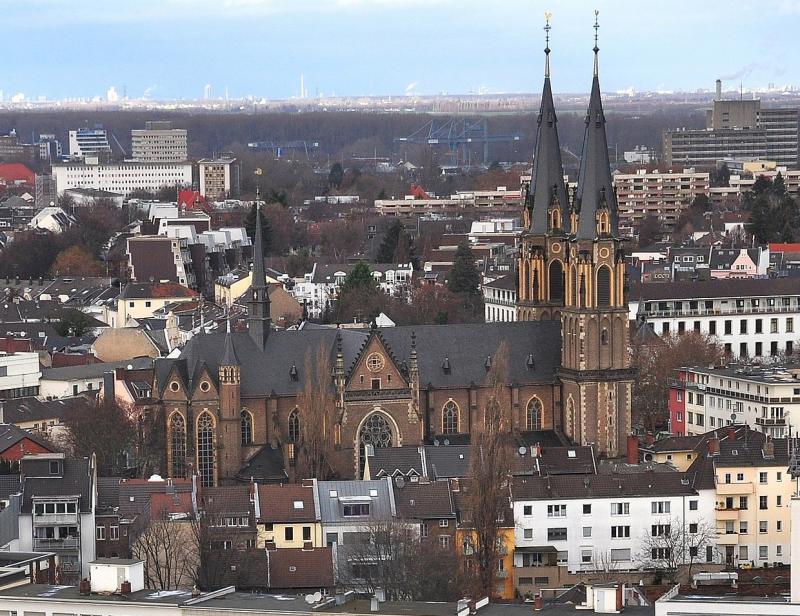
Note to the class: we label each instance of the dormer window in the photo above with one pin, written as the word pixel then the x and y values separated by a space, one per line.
pixel 55 467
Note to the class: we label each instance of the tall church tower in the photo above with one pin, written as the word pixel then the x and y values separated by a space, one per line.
pixel 595 373
pixel 543 255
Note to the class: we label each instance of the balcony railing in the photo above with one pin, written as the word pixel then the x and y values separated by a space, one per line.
pixel 70 543
pixel 701 312
pixel 377 394
pixel 55 519
pixel 771 421
pixel 730 489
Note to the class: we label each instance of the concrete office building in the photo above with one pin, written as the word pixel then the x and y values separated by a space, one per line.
pixel 122 178
pixel 158 142
pixel 737 129
pixel 663 195
pixel 88 142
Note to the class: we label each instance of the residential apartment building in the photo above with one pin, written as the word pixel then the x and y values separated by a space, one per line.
pixel 20 375
pixel 158 142
pixel 57 511
pixel 661 195
pixel 320 287
pixel 500 299
pixel 219 177
pixel 88 142
pixel 749 317
pixel 122 178
pixel 288 516
pixel 754 491
pixel 566 525
pixel 142 300
pixel 499 201
pixel 737 129
pixel 160 258
pixel 764 397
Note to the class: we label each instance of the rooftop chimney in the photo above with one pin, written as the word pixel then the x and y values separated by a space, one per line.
pixel 713 446
pixel 649 438
pixel 633 449
pixel 731 433
pixel 719 90
pixel 769 449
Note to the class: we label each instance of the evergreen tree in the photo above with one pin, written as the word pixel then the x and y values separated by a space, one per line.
pixel 778 185
pixel 396 246
pixel 336 175
pixel 266 228
pixel 761 220
pixel 359 296
pixel 464 276
pixel 761 185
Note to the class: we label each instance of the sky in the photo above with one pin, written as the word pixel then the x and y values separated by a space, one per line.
pixel 170 49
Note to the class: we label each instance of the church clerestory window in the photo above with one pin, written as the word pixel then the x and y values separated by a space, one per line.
pixel 247 428
pixel 375 432
pixel 533 414
pixel 205 449
pixel 294 426
pixel 450 418
pixel 177 433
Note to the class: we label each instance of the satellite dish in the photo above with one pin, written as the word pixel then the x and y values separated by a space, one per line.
pixel 446 442
pixel 436 442
pixel 522 450
pixel 733 417
pixel 310 599
pixel 317 597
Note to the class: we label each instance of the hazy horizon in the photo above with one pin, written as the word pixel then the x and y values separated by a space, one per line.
pixel 170 49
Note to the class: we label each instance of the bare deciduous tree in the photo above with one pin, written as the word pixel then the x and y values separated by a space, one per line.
pixel 317 405
pixel 170 553
pixel 488 493
pixel 672 548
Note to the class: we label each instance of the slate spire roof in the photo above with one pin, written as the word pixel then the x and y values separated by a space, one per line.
pixel 547 179
pixel 595 188
pixel 258 321
pixel 229 357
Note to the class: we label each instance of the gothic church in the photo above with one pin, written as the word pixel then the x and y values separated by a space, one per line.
pixel 232 399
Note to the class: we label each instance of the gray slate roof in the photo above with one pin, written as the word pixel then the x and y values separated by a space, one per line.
pixel 76 481
pixel 381 506
pixel 601 486
pixel 69 373
pixel 266 371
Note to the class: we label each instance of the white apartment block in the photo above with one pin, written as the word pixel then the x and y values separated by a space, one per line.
pixel 500 299
pixel 663 195
pixel 763 397
pixel 748 317
pixel 597 522
pixel 20 375
pixel 158 142
pixel 319 287
pixel 121 178
pixel 478 200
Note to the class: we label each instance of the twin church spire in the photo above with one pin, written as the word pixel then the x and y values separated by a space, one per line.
pixel 594 203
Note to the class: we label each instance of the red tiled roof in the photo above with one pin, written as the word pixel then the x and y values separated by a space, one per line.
pixel 14 172
pixel 73 359
pixel 163 504
pixel 278 503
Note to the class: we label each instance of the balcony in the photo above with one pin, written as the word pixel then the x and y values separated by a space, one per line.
pixel 50 545
pixel 727 539
pixel 732 489
pixel 502 575
pixel 55 519
pixel 770 421
pixel 724 515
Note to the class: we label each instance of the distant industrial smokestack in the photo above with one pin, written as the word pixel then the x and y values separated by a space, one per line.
pixel 719 89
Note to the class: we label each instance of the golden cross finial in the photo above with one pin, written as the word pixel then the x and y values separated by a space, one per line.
pixel 596 48
pixel 547 17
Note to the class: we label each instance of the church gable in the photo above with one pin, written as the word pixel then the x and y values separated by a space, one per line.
pixel 376 368
pixel 175 385
pixel 204 385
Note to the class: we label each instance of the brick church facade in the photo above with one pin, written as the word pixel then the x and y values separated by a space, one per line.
pixel 232 400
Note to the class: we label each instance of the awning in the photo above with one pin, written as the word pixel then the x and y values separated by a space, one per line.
pixel 538 549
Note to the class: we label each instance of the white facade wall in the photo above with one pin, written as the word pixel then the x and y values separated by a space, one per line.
pixel 499 305
pixel 17 371
pixel 63 388
pixel 121 178
pixel 745 326
pixel 532 530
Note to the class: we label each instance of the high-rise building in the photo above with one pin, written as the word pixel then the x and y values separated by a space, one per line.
pixel 158 142
pixel 88 142
pixel 737 129
pixel 219 177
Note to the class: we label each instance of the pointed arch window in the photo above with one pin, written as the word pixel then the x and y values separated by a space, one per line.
pixel 450 418
pixel 555 220
pixel 556 276
pixel 205 449
pixel 376 433
pixel 247 427
pixel 177 435
pixel 533 414
pixel 294 426
pixel 604 286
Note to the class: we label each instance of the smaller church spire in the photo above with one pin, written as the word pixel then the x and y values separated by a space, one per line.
pixel 229 357
pixel 258 320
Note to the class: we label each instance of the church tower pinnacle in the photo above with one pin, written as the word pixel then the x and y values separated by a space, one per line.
pixel 258 319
